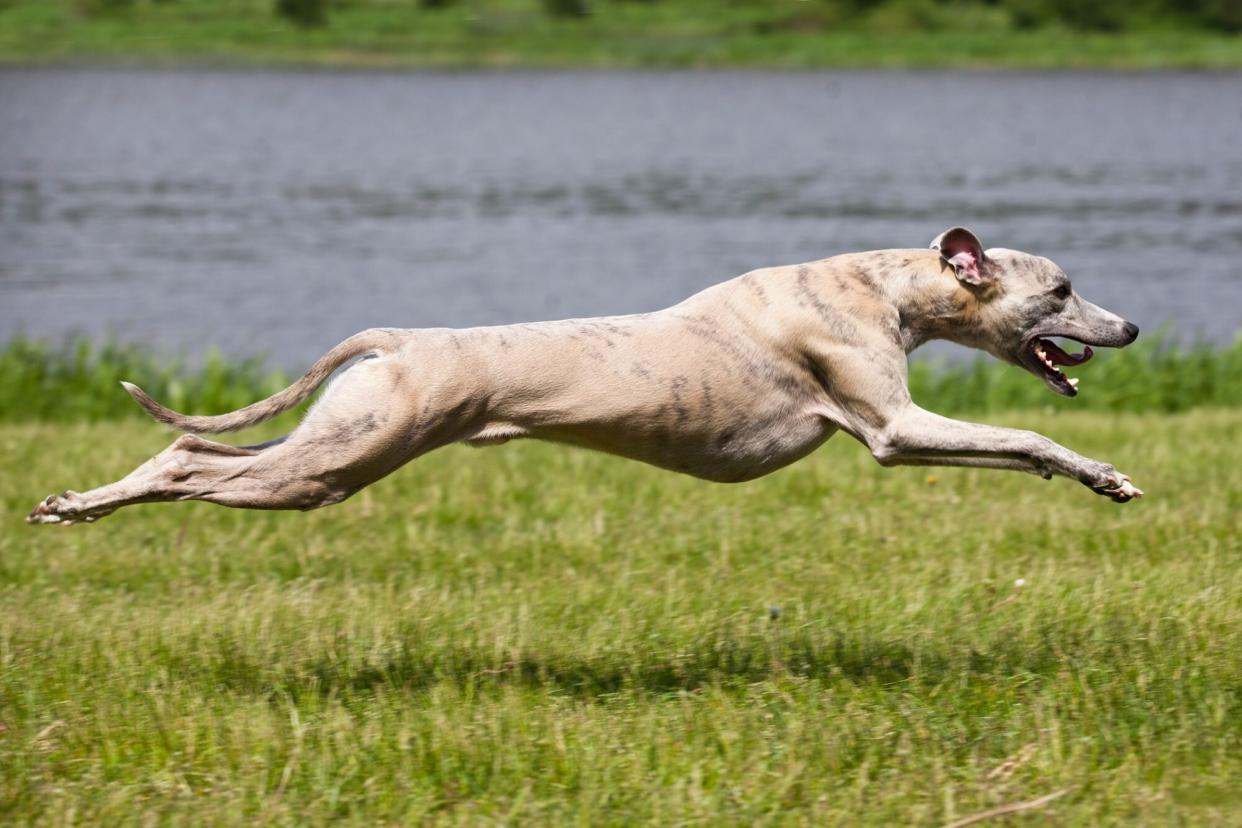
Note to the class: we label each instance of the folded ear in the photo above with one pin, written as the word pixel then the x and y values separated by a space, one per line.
pixel 960 248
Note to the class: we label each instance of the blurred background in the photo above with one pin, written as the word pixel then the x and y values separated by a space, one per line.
pixel 265 177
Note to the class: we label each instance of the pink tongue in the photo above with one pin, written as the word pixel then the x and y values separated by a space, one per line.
pixel 1058 357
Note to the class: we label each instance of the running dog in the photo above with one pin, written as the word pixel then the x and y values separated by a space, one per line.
pixel 733 383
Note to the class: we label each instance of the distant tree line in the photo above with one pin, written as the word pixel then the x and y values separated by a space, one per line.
pixel 822 15
pixel 1079 15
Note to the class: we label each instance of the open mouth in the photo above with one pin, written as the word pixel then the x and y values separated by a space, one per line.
pixel 1045 357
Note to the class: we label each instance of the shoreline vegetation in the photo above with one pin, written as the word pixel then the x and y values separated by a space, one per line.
pixel 660 34
pixel 79 380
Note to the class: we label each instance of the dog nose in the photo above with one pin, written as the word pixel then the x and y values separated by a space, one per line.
pixel 1132 331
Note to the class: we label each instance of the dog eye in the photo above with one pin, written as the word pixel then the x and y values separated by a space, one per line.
pixel 1062 291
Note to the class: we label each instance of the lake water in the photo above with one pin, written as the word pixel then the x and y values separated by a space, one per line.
pixel 277 212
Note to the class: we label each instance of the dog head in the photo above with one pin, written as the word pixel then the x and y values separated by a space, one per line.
pixel 1019 302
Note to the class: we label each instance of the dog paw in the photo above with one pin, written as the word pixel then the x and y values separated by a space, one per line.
pixel 58 509
pixel 1118 487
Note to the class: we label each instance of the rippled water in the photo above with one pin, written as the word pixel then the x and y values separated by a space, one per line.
pixel 279 212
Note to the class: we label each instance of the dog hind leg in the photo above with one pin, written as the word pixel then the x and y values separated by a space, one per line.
pixel 366 425
pixel 193 469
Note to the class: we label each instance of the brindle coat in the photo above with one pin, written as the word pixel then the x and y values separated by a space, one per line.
pixel 731 384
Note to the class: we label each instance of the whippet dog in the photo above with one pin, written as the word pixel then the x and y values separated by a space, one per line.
pixel 729 385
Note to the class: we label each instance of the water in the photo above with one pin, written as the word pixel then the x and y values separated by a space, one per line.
pixel 277 212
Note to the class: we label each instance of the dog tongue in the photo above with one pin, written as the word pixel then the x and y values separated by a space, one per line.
pixel 1059 357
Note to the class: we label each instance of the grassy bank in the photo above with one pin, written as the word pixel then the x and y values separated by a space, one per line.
pixel 81 381
pixel 536 635
pixel 616 33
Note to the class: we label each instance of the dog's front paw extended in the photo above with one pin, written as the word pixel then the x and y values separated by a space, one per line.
pixel 58 509
pixel 1116 486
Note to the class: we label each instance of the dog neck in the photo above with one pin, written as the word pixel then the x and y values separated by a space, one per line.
pixel 932 304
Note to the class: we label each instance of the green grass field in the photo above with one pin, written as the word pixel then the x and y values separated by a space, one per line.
pixel 612 33
pixel 538 635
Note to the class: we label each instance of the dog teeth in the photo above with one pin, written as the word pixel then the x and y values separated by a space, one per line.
pixel 1073 381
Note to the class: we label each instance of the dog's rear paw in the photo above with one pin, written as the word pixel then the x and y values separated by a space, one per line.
pixel 61 509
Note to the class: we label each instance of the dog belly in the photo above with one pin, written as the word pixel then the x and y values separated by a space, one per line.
pixel 748 456
pixel 730 455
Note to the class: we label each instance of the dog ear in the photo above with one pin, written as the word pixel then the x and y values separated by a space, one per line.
pixel 960 248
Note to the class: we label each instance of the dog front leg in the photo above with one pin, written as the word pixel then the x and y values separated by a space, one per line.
pixel 918 437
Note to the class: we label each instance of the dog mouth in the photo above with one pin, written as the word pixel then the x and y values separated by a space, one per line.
pixel 1044 357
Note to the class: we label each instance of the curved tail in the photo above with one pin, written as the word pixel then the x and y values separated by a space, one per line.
pixel 279 402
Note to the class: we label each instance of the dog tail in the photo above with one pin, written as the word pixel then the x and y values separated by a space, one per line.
pixel 281 401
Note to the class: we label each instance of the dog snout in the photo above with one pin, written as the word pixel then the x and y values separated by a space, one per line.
pixel 1131 331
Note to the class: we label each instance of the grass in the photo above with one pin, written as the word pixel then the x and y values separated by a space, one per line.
pixel 538 635
pixel 80 381
pixel 509 33
pixel 1154 374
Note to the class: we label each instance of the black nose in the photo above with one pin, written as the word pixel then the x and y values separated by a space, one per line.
pixel 1131 332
